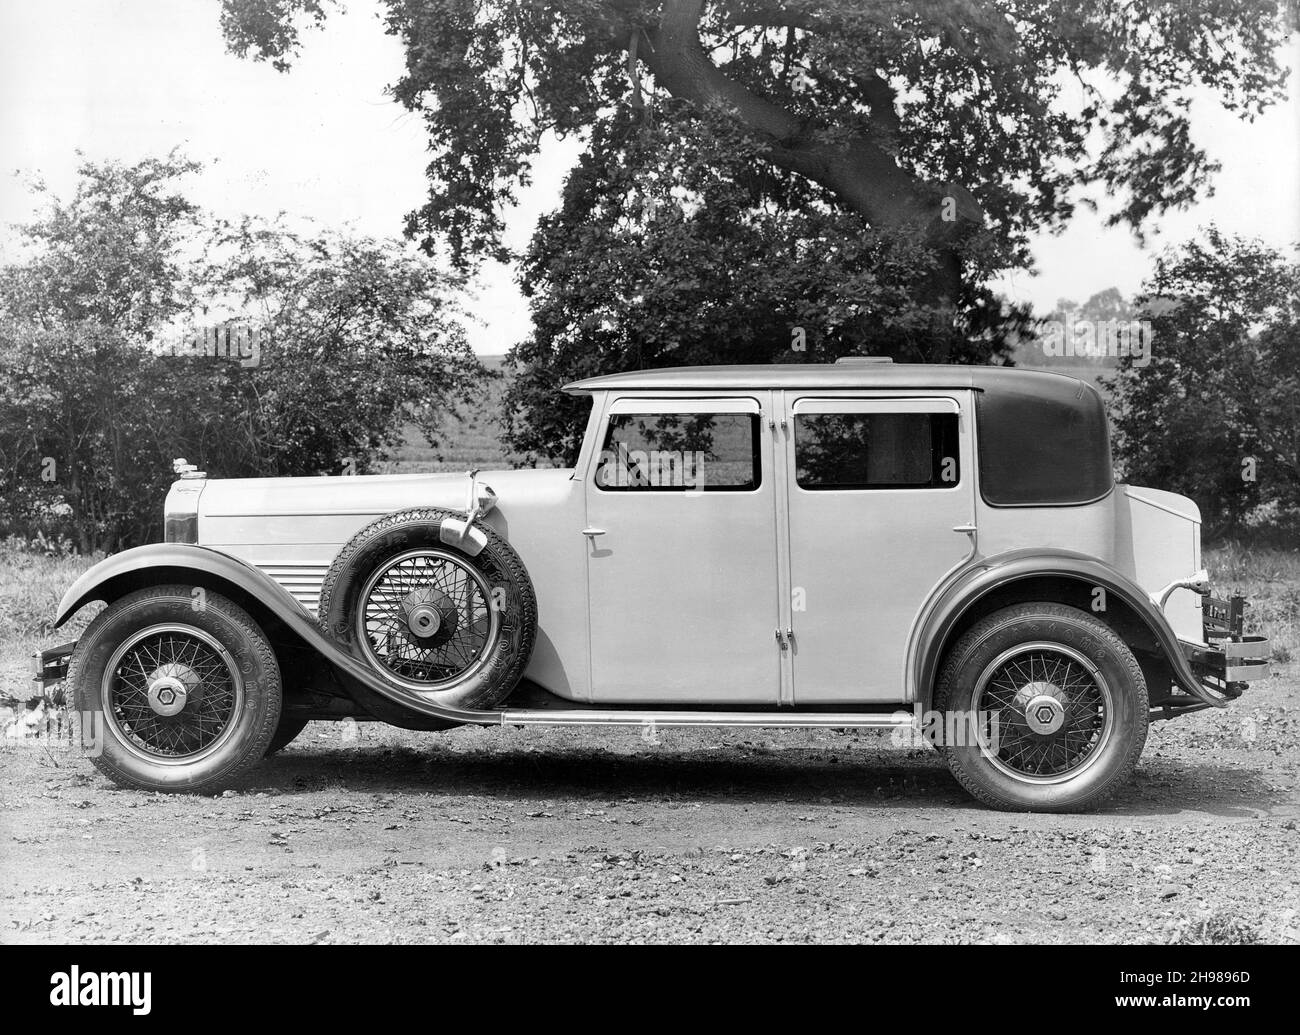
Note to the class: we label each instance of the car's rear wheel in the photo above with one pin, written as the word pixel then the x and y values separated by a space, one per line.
pixel 446 625
pixel 1045 707
pixel 175 691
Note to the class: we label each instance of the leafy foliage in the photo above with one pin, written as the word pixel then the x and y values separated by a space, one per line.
pixel 948 92
pixel 1216 413
pixel 857 170
pixel 665 253
pixel 356 337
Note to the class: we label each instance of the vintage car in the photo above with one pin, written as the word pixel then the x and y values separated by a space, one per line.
pixel 858 544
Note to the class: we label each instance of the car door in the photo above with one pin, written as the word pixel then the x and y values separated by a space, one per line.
pixel 880 504
pixel 682 552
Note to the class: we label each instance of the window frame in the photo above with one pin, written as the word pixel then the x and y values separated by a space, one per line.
pixel 658 406
pixel 882 405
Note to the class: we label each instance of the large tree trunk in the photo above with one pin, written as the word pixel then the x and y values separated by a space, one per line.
pixel 856 170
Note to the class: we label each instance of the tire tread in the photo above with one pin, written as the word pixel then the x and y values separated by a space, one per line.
pixel 236 614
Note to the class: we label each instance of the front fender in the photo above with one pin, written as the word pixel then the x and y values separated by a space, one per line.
pixel 163 563
pixel 934 630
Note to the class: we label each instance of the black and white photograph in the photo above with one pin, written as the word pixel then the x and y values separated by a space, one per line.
pixel 650 473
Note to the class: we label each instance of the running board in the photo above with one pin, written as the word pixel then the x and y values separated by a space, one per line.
pixel 654 717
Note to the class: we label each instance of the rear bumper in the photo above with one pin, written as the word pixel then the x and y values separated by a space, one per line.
pixel 1223 664
pixel 1229 654
pixel 1222 669
pixel 1228 660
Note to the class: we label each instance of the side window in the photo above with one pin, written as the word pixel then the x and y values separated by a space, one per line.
pixel 876 451
pixel 680 452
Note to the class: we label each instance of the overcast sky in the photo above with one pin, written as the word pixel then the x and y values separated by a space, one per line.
pixel 128 79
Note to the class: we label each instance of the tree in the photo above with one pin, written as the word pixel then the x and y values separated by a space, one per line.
pixel 1108 304
pixel 947 131
pixel 663 253
pixel 355 336
pixel 890 107
pixel 78 399
pixel 1215 414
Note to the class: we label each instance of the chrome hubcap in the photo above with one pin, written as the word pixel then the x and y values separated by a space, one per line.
pixel 425 619
pixel 167 691
pixel 1045 712
pixel 428 611
pixel 172 692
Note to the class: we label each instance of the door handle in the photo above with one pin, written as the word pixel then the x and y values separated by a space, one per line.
pixel 964 529
pixel 591 533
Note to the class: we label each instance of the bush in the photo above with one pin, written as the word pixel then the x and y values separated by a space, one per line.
pixel 354 337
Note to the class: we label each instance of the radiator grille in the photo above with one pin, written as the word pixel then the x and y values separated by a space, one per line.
pixel 303 581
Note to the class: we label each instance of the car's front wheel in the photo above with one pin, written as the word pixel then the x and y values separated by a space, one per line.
pixel 175 689
pixel 1045 709
pixel 291 724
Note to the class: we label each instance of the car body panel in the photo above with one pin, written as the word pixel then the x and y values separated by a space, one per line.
pixel 683 583
pixel 1158 540
pixel 862 562
pixel 908 377
pixel 292 528
pixel 768 598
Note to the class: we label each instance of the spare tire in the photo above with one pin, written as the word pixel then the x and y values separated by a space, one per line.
pixel 450 620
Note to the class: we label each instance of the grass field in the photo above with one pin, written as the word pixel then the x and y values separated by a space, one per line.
pixel 30 587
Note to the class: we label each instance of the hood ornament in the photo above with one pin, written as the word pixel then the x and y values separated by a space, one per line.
pixel 184 469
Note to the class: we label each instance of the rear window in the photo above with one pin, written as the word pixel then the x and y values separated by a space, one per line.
pixel 1043 442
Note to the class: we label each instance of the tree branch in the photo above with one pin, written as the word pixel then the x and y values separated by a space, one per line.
pixel 857 170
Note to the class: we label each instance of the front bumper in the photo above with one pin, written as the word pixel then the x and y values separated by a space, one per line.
pixel 51 665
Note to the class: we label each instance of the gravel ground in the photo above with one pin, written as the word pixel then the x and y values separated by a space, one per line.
pixel 369 834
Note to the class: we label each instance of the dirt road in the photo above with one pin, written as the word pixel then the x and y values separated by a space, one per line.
pixel 368 834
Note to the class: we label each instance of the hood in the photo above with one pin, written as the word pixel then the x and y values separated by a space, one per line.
pixel 371 494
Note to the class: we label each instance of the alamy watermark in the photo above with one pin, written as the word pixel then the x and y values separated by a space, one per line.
pixel 237 341
pixel 659 468
pixel 950 729
pixel 1096 340
pixel 75 987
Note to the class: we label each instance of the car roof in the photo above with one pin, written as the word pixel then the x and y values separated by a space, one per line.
pixel 863 373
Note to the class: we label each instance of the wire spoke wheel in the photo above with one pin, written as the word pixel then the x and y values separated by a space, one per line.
pixel 426 619
pixel 172 693
pixel 1044 712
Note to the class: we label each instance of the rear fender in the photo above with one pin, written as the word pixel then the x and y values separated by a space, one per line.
pixel 944 614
